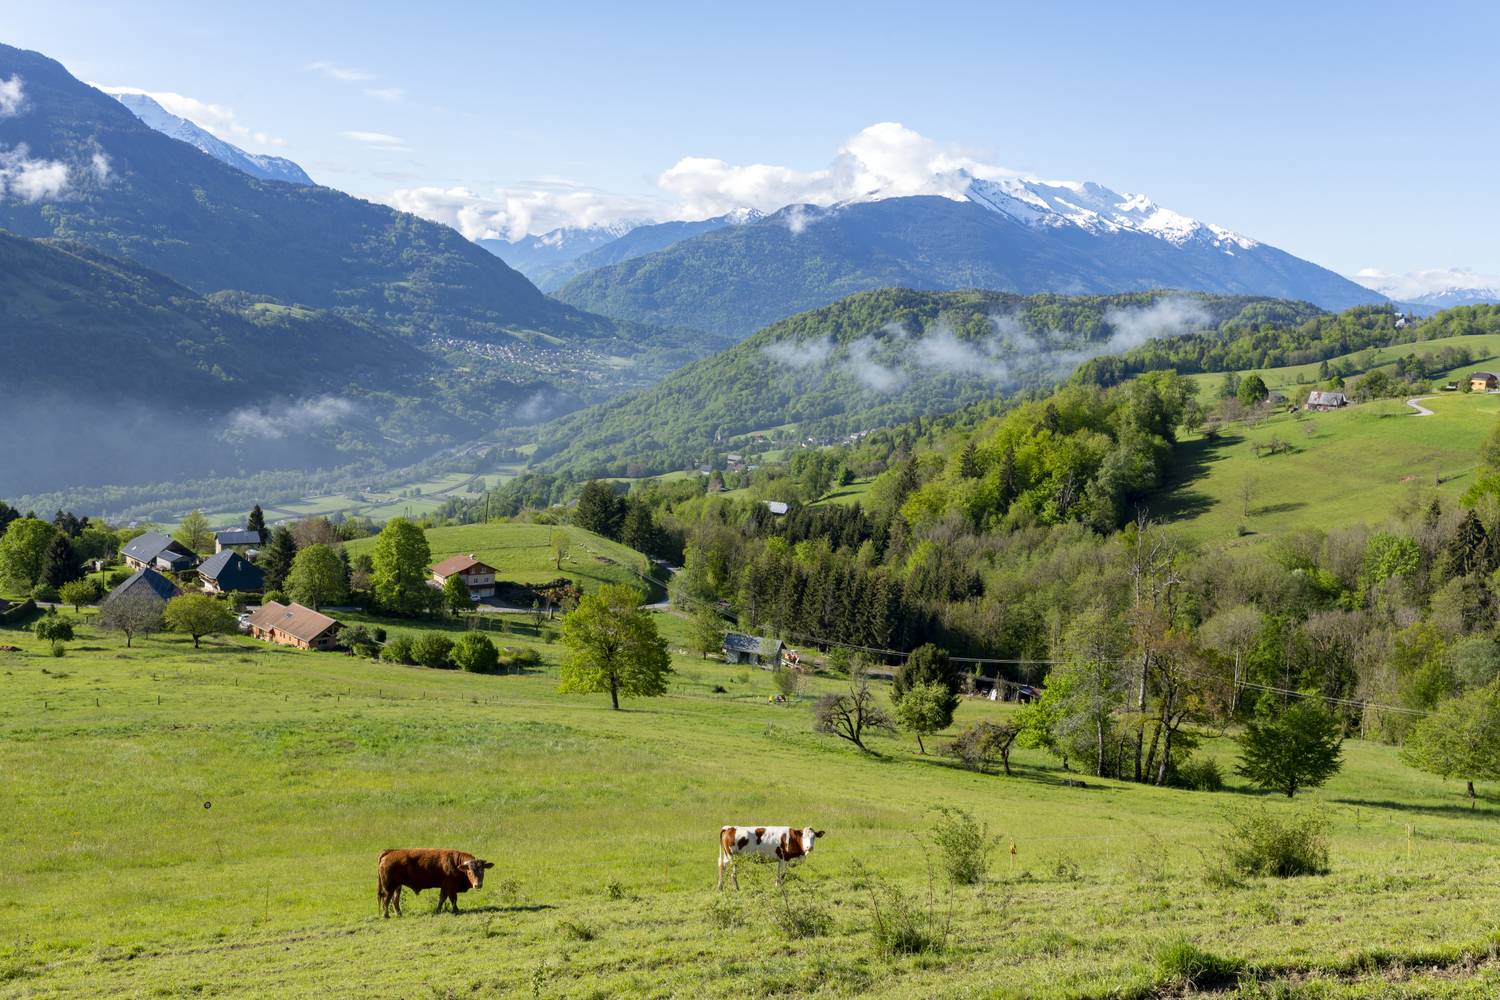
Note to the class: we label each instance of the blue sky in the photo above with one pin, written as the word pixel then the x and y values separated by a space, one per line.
pixel 1356 137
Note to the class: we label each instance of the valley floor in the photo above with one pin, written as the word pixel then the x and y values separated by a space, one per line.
pixel 207 822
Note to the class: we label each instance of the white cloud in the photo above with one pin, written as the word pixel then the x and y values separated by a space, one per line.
pixel 306 415
pixel 799 354
pixel 99 165
pixel 1433 281
pixel 343 74
pixel 25 179
pixel 391 94
pixel 511 213
pixel 216 119
pixel 378 140
pixel 12 97
pixel 1163 318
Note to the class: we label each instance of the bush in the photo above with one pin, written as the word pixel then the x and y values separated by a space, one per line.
pixel 1260 842
pixel 398 650
pixel 1201 774
pixel 58 649
pixel 901 925
pixel 804 919
pixel 55 629
pixel 520 659
pixel 1181 963
pixel 44 592
pixel 279 596
pixel 476 654
pixel 379 634
pixel 117 577
pixel 359 642
pixel 431 649
pixel 964 845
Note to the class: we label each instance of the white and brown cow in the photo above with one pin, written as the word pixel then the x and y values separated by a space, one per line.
pixel 784 843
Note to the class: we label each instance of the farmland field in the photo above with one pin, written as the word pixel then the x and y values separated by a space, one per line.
pixel 207 822
pixel 522 553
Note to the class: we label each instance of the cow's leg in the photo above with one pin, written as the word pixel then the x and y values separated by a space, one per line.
pixel 453 902
pixel 397 894
pixel 780 871
pixel 442 898
pixel 734 873
pixel 385 902
pixel 720 886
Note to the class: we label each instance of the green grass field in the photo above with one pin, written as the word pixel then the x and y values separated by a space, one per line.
pixel 1484 348
pixel 207 823
pixel 522 553
pixel 1345 467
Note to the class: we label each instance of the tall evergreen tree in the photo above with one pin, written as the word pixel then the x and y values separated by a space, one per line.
pixel 1470 547
pixel 968 462
pixel 60 563
pixel 600 509
pixel 276 560
pixel 1010 483
pixel 256 522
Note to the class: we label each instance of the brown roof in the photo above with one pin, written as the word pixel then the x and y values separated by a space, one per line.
pixel 295 620
pixel 460 564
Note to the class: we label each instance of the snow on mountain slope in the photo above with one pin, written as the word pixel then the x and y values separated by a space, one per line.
pixel 538 257
pixel 1435 288
pixel 268 168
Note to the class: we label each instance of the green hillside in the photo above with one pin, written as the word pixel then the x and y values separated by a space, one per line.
pixel 239 796
pixel 1346 466
pixel 871 360
pixel 523 553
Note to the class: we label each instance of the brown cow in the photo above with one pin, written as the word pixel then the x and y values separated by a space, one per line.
pixel 450 872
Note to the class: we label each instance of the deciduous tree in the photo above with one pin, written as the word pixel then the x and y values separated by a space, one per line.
pixel 198 615
pixel 23 550
pixel 613 646
pixel 132 614
pixel 317 577
pixel 1460 739
pixel 400 572
pixel 925 709
pixel 1299 748
pixel 195 532
pixel 852 714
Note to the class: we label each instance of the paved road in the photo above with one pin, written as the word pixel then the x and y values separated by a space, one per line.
pixel 1416 404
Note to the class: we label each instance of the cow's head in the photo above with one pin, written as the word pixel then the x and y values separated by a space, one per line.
pixel 809 837
pixel 474 868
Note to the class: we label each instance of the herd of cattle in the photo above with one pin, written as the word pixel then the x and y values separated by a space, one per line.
pixel 455 872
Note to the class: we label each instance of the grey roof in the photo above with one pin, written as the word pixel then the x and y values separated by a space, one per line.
pixel 1321 398
pixel 752 644
pixel 232 571
pixel 148 580
pixel 152 544
pixel 237 536
pixel 1484 375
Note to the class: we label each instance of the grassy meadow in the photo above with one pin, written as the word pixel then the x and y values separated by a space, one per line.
pixel 207 822
pixel 1344 466
pixel 523 553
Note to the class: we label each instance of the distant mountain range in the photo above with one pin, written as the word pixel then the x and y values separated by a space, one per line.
pixel 1430 291
pixel 1019 236
pixel 267 168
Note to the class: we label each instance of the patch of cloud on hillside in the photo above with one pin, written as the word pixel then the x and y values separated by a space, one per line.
pixel 23 178
pixel 511 213
pixel 12 97
pixel 799 354
pixel 295 418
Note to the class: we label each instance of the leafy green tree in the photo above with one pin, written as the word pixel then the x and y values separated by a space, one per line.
pixel 198 615
pixel 638 528
pixel 60 563
pixel 317 577
pixel 277 558
pixel 456 596
pixel 926 708
pixel 1460 739
pixel 23 550
pixel 561 545
pixel 78 593
pixel 706 632
pixel 54 628
pixel 475 653
pixel 256 522
pixel 1252 390
pixel 600 509
pixel 400 573
pixel 195 532
pixel 432 649
pixel 1300 748
pixel 613 646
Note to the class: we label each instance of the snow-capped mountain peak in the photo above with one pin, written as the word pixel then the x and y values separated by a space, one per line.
pixel 1096 209
pixel 269 168
pixel 1439 288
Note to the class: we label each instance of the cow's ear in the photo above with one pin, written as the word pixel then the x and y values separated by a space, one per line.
pixel 819 834
pixel 488 864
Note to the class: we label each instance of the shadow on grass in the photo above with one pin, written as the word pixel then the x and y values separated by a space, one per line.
pixel 1174 500
pixel 513 908
pixel 1280 508
pixel 1453 811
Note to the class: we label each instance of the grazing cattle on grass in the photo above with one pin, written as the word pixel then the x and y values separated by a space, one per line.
pixel 450 872
pixel 784 843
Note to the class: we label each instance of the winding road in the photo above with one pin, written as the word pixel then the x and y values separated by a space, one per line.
pixel 1416 404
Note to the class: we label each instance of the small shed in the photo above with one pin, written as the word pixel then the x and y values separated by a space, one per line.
pixel 752 649
pixel 1483 381
pixel 1326 400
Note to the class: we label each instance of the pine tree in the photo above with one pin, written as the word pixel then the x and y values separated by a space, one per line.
pixel 1010 486
pixel 60 563
pixel 968 462
pixel 1470 546
pixel 600 509
pixel 276 560
pixel 256 522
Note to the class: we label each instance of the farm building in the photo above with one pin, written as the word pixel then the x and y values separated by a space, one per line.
pixel 227 570
pixel 477 576
pixel 752 649
pixel 1321 400
pixel 156 550
pixel 146 580
pixel 242 540
pixel 777 507
pixel 1483 381
pixel 294 625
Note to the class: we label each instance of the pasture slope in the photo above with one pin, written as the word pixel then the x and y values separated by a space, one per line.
pixel 523 553
pixel 1346 466
pixel 207 823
